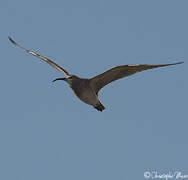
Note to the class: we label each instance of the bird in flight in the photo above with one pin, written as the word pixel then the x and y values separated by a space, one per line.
pixel 87 89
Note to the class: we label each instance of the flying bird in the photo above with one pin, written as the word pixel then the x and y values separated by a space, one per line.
pixel 87 89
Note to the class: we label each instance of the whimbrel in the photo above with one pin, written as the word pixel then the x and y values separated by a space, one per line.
pixel 87 89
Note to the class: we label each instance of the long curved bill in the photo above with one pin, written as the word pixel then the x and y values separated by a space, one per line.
pixel 64 79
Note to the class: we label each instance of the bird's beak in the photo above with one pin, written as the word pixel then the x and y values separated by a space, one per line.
pixel 64 79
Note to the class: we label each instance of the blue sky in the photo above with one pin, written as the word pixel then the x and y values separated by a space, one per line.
pixel 47 133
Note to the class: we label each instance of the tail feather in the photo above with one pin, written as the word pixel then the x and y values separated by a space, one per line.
pixel 99 107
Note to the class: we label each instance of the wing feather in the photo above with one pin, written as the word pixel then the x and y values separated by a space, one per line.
pixel 51 63
pixel 117 72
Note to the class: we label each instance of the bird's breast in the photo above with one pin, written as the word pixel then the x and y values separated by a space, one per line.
pixel 85 93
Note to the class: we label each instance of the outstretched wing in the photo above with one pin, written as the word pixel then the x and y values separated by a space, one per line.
pixel 118 72
pixel 51 63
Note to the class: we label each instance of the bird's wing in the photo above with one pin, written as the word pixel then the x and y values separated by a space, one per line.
pixel 51 63
pixel 117 72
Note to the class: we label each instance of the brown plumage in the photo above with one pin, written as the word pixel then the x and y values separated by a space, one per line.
pixel 87 89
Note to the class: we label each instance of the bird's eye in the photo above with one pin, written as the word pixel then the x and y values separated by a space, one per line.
pixel 71 77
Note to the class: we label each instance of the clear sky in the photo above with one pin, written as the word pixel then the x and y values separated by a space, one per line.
pixel 47 133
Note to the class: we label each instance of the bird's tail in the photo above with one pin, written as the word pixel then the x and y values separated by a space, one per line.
pixel 99 107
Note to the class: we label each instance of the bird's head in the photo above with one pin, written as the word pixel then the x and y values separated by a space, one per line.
pixel 69 79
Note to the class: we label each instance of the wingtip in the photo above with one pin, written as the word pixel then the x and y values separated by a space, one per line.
pixel 181 62
pixel 11 40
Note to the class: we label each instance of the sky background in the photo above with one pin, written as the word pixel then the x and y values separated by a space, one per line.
pixel 47 133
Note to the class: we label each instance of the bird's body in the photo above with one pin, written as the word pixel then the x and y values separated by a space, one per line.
pixel 83 89
pixel 87 89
